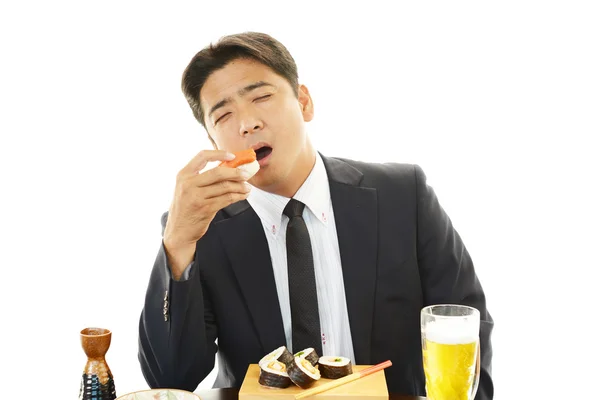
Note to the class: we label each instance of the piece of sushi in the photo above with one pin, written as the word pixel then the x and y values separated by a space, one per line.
pixel 310 354
pixel 334 367
pixel 273 374
pixel 303 373
pixel 244 160
pixel 279 354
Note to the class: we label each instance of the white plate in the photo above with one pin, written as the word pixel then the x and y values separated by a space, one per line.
pixel 160 394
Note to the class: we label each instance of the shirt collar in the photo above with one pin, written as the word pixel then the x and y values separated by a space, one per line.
pixel 314 193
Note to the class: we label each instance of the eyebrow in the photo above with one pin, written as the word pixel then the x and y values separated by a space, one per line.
pixel 243 91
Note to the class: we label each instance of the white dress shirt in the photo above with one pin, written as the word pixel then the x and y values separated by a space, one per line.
pixel 318 214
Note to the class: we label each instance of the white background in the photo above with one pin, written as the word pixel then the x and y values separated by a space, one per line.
pixel 499 102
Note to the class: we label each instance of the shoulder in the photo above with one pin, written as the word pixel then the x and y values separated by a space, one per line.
pixel 386 173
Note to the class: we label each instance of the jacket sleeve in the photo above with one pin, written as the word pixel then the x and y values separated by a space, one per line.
pixel 447 272
pixel 177 329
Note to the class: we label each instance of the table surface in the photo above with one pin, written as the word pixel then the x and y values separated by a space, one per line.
pixel 232 394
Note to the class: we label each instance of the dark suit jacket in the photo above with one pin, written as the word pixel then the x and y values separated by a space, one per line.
pixel 399 253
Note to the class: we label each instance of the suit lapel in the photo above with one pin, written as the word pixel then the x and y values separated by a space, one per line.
pixel 355 210
pixel 247 248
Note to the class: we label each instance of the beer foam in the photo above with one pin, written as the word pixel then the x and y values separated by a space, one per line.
pixel 452 331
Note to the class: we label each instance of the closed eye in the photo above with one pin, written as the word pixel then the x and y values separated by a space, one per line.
pixel 263 97
pixel 221 117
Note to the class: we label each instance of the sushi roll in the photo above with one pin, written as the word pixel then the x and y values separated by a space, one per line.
pixel 333 367
pixel 303 373
pixel 310 354
pixel 280 354
pixel 273 374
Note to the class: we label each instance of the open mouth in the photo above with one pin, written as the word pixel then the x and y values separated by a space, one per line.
pixel 263 152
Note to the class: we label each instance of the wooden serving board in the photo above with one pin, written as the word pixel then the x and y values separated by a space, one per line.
pixel 371 387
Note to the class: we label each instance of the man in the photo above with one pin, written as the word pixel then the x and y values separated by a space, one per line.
pixel 311 251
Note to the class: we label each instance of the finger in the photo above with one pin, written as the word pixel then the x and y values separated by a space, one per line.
pixel 218 174
pixel 200 160
pixel 224 200
pixel 223 187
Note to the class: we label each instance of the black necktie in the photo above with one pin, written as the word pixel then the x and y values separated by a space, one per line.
pixel 306 327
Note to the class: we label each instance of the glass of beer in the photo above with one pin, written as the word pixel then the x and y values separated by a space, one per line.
pixel 450 341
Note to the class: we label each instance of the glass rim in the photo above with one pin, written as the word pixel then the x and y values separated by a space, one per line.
pixel 427 310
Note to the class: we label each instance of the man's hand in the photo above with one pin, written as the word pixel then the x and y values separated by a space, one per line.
pixel 197 199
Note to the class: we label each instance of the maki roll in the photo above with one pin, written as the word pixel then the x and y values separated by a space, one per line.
pixel 303 373
pixel 310 354
pixel 273 374
pixel 280 354
pixel 333 367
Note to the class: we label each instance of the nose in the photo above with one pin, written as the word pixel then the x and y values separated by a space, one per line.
pixel 250 124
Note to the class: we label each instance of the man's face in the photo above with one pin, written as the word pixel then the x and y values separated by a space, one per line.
pixel 246 105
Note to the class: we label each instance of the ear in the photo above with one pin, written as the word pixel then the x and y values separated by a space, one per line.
pixel 306 104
